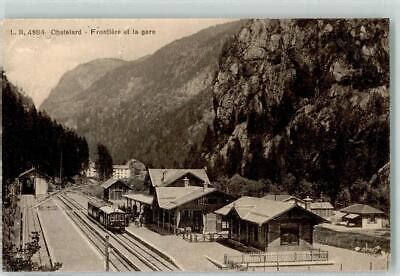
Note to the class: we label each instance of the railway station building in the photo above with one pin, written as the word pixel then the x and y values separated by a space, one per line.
pixel 179 200
pixel 269 225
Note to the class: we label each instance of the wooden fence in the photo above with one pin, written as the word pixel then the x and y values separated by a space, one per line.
pixel 314 255
pixel 208 237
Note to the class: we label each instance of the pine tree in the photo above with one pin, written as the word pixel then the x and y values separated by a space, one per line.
pixel 104 162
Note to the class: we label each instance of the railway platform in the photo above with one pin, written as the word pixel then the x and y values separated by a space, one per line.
pixel 188 256
pixel 31 225
pixel 67 244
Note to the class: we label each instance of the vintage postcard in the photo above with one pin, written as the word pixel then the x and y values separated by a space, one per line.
pixel 216 145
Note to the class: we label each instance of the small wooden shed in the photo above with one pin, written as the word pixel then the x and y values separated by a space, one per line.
pixel 33 182
pixel 113 189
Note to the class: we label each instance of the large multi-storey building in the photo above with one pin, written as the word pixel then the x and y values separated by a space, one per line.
pixel 121 171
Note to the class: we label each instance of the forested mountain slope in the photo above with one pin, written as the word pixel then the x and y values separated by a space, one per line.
pixel 152 109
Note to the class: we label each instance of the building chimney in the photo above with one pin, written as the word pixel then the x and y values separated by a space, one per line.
pixel 186 181
pixel 308 201
pixel 205 185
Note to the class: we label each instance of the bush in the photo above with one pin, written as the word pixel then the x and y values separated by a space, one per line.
pixel 349 240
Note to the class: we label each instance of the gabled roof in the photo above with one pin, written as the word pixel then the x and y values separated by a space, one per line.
pixel 111 182
pixel 282 197
pixel 27 172
pixel 164 177
pixel 361 209
pixel 171 197
pixel 260 210
pixel 32 170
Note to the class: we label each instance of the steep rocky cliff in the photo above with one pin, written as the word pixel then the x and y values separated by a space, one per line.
pixel 303 104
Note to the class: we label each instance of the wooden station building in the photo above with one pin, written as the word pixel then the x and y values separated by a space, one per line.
pixel 33 182
pixel 179 200
pixel 269 225
pixel 113 189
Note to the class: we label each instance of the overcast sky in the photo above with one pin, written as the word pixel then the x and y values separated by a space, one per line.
pixel 36 62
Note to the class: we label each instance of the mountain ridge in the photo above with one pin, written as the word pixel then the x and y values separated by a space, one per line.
pixel 126 101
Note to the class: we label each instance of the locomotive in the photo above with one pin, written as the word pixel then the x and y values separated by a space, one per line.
pixel 111 218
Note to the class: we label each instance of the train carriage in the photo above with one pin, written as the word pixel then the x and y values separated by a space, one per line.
pixel 94 208
pixel 108 216
pixel 112 218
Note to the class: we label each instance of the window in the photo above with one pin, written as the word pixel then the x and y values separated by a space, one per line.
pixel 202 201
pixel 372 219
pixel 289 233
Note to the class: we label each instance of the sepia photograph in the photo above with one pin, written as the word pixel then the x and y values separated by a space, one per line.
pixel 198 145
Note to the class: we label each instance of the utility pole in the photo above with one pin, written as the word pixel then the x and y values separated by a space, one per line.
pixel 21 233
pixel 107 253
pixel 61 166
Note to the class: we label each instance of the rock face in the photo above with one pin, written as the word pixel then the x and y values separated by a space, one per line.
pixel 153 109
pixel 302 101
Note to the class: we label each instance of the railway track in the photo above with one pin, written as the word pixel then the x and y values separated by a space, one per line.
pixel 141 256
pixel 157 261
pixel 32 225
pixel 117 260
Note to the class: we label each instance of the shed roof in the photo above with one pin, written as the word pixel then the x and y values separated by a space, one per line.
pixel 172 197
pixel 361 209
pixel 260 210
pixel 164 177
pixel 321 205
pixel 143 198
pixel 107 184
pixel 110 210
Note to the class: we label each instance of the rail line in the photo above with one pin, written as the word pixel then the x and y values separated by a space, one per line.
pixel 143 257
pixel 157 261
pixel 31 224
pixel 118 261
